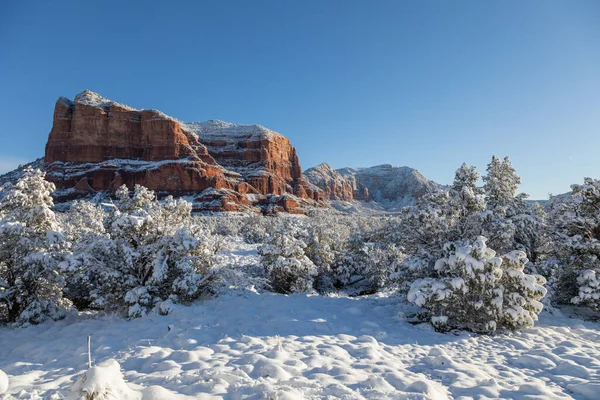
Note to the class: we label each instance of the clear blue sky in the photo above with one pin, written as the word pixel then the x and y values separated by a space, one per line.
pixel 427 84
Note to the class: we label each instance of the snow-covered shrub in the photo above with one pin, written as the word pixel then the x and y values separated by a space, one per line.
pixel 256 228
pixel 478 291
pixel 148 254
pixel 84 227
pixel 445 216
pixel 509 221
pixel 30 250
pixel 588 282
pixel 284 258
pixel 103 382
pixel 381 264
pixel 574 248
pixel 227 224
pixel 464 212
pixel 442 216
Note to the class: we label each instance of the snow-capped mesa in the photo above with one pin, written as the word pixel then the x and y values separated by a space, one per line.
pixel 97 144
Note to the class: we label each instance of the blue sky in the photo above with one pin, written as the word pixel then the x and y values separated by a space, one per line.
pixel 427 84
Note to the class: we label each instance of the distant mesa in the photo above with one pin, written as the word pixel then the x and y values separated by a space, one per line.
pixel 390 186
pixel 97 145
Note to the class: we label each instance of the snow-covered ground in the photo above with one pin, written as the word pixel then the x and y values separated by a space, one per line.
pixel 246 345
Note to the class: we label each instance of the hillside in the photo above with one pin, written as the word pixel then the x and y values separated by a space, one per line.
pixel 391 187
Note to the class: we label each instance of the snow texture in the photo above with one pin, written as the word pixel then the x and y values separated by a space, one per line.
pixel 3 382
pixel 245 345
pixel 216 130
pixel 92 99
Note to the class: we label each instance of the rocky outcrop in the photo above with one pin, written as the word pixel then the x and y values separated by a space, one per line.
pixel 334 186
pixel 390 186
pixel 263 158
pixel 98 145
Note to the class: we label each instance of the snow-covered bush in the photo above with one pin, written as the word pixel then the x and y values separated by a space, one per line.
pixel 475 290
pixel 84 227
pixel 103 382
pixel 148 254
pixel 256 228
pixel 589 288
pixel 509 221
pixel 466 211
pixel 284 258
pixel 381 264
pixel 30 250
pixel 442 216
pixel 574 248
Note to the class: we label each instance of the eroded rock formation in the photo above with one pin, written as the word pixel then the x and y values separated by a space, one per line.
pixel 98 145
pixel 390 186
pixel 333 185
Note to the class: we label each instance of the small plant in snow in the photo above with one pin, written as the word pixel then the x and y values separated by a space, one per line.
pixel 103 382
pixel 475 290
pixel 588 282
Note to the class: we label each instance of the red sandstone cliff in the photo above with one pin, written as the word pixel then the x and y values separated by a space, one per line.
pixel 98 145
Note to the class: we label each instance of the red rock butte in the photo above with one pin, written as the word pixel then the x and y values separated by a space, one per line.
pixel 98 145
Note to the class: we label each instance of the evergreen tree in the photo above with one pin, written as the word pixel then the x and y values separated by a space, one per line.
pixel 30 250
pixel 510 222
pixel 475 290
pixel 148 255
pixel 285 261
pixel 455 215
pixel 574 227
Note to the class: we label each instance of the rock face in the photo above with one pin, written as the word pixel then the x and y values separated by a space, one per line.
pixel 98 145
pixel 334 186
pixel 390 186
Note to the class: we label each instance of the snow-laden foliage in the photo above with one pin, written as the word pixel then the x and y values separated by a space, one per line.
pixel 147 253
pixel 103 382
pixel 284 258
pixel 476 290
pixel 574 228
pixel 440 217
pixel 466 211
pixel 509 221
pixel 30 250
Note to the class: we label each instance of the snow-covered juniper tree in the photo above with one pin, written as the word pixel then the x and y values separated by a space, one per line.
pixel 30 250
pixel 509 221
pixel 475 290
pixel 454 215
pixel 84 227
pixel 284 258
pixel 147 255
pixel 574 228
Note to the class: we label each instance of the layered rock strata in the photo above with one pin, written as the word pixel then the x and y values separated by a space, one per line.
pixel 98 145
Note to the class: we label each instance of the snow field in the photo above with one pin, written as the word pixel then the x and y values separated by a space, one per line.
pixel 294 347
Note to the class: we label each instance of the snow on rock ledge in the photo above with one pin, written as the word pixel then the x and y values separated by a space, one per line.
pixel 93 137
